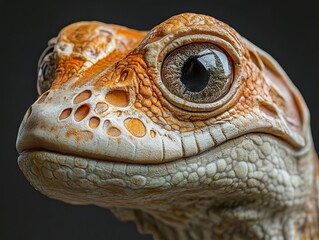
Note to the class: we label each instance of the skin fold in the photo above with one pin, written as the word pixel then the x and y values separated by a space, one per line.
pixel 117 126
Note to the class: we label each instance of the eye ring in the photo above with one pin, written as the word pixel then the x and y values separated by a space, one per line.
pixel 168 44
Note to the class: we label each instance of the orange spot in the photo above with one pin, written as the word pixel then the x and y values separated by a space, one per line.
pixel 117 98
pixel 65 114
pixel 146 102
pixel 81 112
pixel 43 97
pixel 82 96
pixel 153 134
pixel 135 127
pixel 114 131
pixel 156 110
pixel 101 107
pixel 175 126
pixel 94 122
pixel 79 134
pixel 138 105
pixel 146 91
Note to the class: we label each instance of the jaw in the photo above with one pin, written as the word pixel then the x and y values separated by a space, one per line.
pixel 253 166
pixel 250 182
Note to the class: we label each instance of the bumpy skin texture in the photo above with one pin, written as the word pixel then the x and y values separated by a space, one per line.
pixel 108 132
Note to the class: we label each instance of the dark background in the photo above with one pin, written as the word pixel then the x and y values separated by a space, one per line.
pixel 287 30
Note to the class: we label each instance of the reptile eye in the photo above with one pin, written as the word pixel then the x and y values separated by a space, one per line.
pixel 198 72
pixel 46 68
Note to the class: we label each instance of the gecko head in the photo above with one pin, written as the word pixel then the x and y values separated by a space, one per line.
pixel 189 110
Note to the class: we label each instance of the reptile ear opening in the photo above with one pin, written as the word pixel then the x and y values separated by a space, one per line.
pixel 46 68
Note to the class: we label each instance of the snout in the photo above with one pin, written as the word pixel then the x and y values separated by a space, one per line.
pixel 90 124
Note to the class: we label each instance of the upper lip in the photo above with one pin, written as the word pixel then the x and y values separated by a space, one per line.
pixel 91 156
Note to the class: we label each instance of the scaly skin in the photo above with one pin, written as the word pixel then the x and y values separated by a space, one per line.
pixel 109 132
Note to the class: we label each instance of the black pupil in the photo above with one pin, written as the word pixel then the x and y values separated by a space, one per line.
pixel 195 73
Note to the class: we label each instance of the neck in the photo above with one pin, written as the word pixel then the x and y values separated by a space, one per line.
pixel 249 222
pixel 234 220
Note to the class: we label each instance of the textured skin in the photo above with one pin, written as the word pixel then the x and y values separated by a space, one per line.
pixel 108 132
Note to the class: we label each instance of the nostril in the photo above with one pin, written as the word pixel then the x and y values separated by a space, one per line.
pixel 82 96
pixel 65 114
pixel 81 112
pixel 28 113
pixel 43 97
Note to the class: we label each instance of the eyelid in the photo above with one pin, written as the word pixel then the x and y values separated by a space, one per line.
pixel 200 38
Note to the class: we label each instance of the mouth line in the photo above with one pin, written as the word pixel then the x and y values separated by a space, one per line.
pixel 69 177
pixel 106 160
pixel 297 150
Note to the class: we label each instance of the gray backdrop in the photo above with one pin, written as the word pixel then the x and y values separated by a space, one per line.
pixel 287 30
